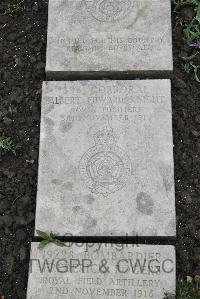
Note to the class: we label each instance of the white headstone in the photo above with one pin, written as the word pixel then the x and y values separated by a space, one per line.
pixel 105 37
pixel 108 271
pixel 106 159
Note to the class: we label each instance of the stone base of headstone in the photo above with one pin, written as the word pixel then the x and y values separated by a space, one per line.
pixel 95 271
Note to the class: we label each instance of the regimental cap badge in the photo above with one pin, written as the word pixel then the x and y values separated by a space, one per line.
pixel 109 10
pixel 105 167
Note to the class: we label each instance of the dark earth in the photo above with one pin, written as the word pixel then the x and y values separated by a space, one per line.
pixel 22 63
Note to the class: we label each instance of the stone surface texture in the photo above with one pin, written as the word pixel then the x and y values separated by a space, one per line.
pixel 106 159
pixel 101 271
pixel 106 36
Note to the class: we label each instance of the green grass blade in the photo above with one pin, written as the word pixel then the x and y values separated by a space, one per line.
pixel 58 243
pixel 43 235
pixel 43 244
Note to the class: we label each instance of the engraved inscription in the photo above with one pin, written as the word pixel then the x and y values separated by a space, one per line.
pixel 105 167
pixel 100 271
pixel 109 10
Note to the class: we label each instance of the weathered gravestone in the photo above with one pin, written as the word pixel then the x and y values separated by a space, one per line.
pixel 106 159
pixel 109 36
pixel 101 271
